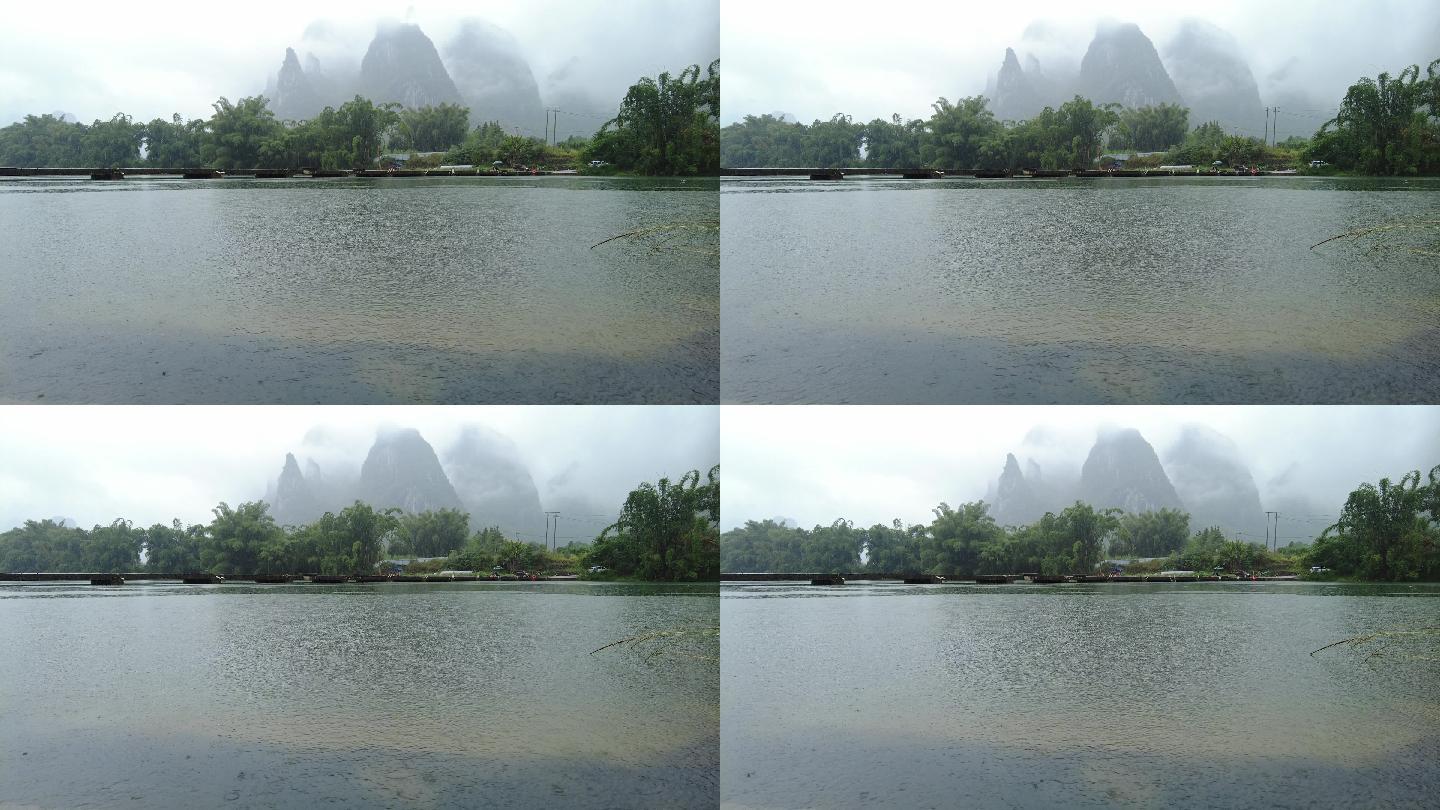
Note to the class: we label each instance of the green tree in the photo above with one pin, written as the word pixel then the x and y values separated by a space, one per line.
pixel 958 537
pixel 1386 125
pixel 432 533
pixel 173 549
pixel 666 531
pixel 235 537
pixel 174 143
pixel 236 132
pixel 1376 522
pixel 1087 529
pixel 957 133
pixel 432 129
pixel 1151 129
pixel 665 126
pixel 1151 534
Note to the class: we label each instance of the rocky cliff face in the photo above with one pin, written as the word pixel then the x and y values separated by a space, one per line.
pixel 294 97
pixel 403 471
pixel 1215 483
pixel 1123 67
pixel 1015 97
pixel 494 79
pixel 403 66
pixel 293 502
pixel 1016 502
pixel 493 483
pixel 1214 77
pixel 1123 471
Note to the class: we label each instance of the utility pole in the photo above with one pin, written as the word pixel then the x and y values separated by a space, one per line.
pixel 1267 125
pixel 1267 530
pixel 555 516
pixel 1277 531
pixel 1275 141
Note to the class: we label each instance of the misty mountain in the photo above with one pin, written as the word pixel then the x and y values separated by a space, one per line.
pixel 1015 502
pixel 402 65
pixel 403 471
pixel 1202 68
pixel 1123 67
pixel 1015 95
pixel 493 77
pixel 1213 76
pixel 482 474
pixel 1123 471
pixel 494 484
pixel 1214 482
pixel 292 502
pixel 293 97
pixel 1202 473
pixel 482 68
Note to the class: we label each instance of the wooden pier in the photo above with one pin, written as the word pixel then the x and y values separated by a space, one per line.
pixel 201 173
pixel 196 578
pixel 815 173
pixel 987 579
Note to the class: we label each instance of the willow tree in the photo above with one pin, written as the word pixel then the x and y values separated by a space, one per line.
pixel 955 134
pixel 666 531
pixel 958 537
pixel 1087 529
pixel 669 125
pixel 235 538
pixel 1377 522
pixel 236 132
pixel 1386 125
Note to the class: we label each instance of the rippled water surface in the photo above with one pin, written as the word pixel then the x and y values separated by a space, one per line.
pixel 356 290
pixel 1186 695
pixel 1078 290
pixel 464 695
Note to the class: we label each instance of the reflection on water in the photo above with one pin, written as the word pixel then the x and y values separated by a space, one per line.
pixel 451 696
pixel 1037 696
pixel 1201 290
pixel 357 290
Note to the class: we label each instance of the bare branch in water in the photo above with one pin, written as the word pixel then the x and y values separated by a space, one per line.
pixel 665 641
pixel 697 236
pixel 1422 226
pixel 1388 636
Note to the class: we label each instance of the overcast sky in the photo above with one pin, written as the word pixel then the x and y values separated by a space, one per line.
pixel 149 60
pixel 868 60
pixel 871 464
pixel 150 464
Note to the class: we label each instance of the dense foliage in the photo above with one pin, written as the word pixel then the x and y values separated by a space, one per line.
pixel 1389 530
pixel 666 531
pixel 1385 126
pixel 961 135
pixel 665 126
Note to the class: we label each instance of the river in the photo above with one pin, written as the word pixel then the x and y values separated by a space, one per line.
pixel 1123 695
pixel 291 696
pixel 1161 290
pixel 423 290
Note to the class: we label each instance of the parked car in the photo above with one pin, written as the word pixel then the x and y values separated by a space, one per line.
pixel 1315 164
pixel 595 164
pixel 598 569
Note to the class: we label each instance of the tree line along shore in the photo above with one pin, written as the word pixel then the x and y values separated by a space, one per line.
pixel 1389 125
pixel 1386 531
pixel 666 125
pixel 665 531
